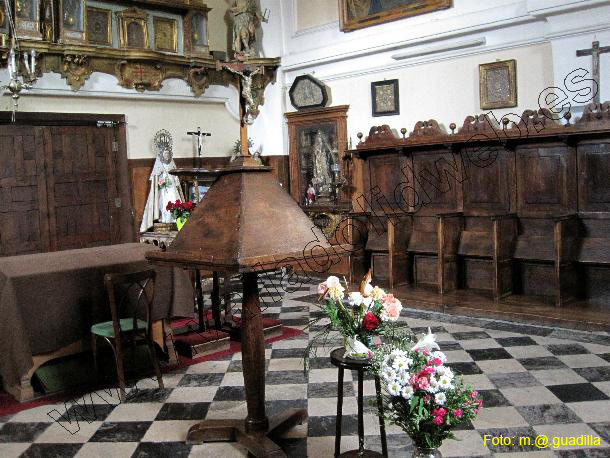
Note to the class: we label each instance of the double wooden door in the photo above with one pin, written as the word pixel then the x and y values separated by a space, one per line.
pixel 58 188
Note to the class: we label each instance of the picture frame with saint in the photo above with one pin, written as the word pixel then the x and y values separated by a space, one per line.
pixel 385 98
pixel 498 84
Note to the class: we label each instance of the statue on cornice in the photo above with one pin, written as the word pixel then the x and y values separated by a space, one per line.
pixel 246 19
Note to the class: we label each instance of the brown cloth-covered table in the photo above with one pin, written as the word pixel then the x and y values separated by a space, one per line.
pixel 50 300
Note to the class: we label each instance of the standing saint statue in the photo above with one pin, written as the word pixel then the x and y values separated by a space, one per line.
pixel 164 187
pixel 246 19
pixel 322 160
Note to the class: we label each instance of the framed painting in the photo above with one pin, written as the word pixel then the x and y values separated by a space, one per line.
pixel 498 84
pixel 166 34
pixel 357 14
pixel 384 95
pixel 99 26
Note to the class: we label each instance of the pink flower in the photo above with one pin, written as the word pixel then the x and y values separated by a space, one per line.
pixel 479 403
pixel 427 371
pixel 438 421
pixel 391 308
pixel 413 380
pixel 322 288
pixel 474 394
pixel 439 412
pixel 422 383
pixel 457 413
pixel 437 361
pixel 476 411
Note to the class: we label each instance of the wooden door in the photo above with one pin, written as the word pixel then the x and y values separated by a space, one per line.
pixel 82 187
pixel 23 191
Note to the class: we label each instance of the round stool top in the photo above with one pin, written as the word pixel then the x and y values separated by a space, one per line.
pixel 337 358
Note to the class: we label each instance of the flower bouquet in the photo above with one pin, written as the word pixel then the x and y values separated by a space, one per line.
pixel 358 317
pixel 423 396
pixel 180 211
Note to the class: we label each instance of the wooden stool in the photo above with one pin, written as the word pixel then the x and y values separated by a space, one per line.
pixel 337 359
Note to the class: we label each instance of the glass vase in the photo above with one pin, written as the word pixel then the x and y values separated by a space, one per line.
pixel 422 452
pixel 354 349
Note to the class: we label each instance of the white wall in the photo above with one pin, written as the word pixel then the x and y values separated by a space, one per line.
pixel 441 52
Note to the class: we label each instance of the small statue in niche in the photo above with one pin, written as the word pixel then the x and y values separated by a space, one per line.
pixel 322 160
pixel 311 194
pixel 246 19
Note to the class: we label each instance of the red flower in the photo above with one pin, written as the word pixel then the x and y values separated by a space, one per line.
pixel 370 322
pixel 438 421
pixel 457 413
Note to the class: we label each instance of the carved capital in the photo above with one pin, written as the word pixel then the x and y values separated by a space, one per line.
pixel 76 69
pixel 199 80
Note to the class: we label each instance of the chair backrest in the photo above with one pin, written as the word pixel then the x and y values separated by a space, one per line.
pixel 131 293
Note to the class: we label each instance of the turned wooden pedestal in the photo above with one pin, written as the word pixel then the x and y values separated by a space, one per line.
pixel 256 431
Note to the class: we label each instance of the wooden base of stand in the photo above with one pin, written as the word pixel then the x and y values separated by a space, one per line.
pixel 258 443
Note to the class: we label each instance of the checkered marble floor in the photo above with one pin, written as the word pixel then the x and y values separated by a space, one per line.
pixel 534 380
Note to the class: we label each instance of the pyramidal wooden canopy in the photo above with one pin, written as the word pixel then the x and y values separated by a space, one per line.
pixel 246 222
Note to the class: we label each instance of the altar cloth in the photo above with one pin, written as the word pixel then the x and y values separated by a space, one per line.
pixel 50 300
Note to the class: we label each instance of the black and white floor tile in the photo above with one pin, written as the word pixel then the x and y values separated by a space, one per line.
pixel 534 381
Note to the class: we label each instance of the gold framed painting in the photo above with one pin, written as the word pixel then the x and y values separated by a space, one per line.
pixel 99 26
pixel 166 34
pixel 133 28
pixel 498 84
pixel 357 14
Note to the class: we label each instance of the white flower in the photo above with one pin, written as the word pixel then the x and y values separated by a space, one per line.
pixel 368 290
pixel 440 398
pixel 389 374
pixel 445 382
pixel 354 299
pixel 403 377
pixel 394 389
pixel 367 301
pixel 332 282
pixel 401 363
pixel 407 392
pixel 427 342
pixel 377 293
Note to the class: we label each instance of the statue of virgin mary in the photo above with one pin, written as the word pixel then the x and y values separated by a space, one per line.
pixel 164 187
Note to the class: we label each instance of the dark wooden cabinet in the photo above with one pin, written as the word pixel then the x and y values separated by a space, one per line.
pixel 62 186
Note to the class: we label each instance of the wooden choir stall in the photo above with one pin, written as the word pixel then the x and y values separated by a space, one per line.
pixel 513 211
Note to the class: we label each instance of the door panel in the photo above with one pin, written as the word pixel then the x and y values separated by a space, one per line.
pixel 23 192
pixel 81 187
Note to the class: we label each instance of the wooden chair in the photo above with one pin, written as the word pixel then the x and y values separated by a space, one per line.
pixel 127 293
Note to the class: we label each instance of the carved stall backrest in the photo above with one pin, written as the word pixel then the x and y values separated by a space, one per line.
pixel 595 113
pixel 428 128
pixel 379 136
pixel 533 122
pixel 479 125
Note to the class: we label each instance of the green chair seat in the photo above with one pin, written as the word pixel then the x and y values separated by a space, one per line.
pixel 106 329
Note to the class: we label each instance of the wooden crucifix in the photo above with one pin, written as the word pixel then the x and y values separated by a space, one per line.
pixel 247 104
pixel 200 136
pixel 595 52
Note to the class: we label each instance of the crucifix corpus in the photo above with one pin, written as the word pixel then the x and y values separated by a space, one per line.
pixel 200 136
pixel 595 52
pixel 248 105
